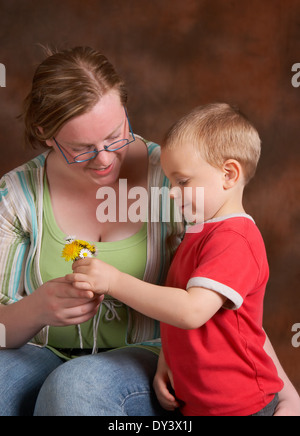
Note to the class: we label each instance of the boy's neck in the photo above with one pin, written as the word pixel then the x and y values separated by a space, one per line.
pixel 232 206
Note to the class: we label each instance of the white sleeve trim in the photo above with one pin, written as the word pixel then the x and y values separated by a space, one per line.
pixel 202 282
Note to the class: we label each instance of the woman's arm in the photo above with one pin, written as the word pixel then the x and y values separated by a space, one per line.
pixel 20 323
pixel 55 303
pixel 289 400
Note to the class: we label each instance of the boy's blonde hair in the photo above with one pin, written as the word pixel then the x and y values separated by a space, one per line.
pixel 219 132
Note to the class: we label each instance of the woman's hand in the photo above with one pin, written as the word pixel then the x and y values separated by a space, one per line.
pixel 58 303
pixel 289 400
pixel 162 383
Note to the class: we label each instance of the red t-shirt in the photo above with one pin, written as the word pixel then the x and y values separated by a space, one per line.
pixel 221 369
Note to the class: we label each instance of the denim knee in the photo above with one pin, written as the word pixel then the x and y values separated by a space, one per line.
pixel 116 383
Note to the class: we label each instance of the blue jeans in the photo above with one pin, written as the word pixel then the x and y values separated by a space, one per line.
pixel 114 383
pixel 22 373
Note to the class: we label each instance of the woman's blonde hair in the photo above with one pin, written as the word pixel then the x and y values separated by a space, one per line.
pixel 219 132
pixel 66 84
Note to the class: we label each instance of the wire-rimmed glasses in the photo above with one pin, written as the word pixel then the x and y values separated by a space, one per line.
pixel 89 155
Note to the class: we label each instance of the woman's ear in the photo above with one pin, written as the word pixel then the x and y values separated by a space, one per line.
pixel 49 142
pixel 233 172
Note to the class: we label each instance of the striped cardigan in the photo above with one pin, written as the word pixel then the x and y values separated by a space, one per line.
pixel 21 221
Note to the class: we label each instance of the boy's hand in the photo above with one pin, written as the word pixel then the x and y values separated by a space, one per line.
pixel 92 275
pixel 162 383
pixel 164 396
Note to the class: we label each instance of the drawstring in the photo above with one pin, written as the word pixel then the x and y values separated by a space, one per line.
pixel 110 315
pixel 80 337
pixel 96 321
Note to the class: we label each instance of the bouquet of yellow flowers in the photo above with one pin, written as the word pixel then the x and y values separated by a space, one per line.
pixel 76 249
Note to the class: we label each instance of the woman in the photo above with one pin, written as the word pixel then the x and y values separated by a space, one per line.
pixel 93 357
pixel 77 106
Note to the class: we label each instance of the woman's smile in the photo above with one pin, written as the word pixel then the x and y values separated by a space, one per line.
pixel 103 171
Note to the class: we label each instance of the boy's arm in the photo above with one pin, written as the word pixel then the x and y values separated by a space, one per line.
pixel 184 309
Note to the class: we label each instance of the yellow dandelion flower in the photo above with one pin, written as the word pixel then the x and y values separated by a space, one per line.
pixel 71 251
pixel 85 245
pixel 77 249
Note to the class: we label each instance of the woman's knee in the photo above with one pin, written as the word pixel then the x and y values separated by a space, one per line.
pixel 98 385
pixel 71 389
pixel 103 371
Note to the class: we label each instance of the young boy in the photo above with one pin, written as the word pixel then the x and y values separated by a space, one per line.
pixel 211 307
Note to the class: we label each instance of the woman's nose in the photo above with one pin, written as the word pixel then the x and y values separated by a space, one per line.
pixel 102 156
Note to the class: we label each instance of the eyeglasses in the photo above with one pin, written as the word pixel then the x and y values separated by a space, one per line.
pixel 89 155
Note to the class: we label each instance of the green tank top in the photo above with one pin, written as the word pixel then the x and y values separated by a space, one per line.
pixel 111 323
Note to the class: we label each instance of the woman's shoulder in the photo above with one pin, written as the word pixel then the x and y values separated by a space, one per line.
pixel 153 150
pixel 157 176
pixel 35 164
pixel 27 177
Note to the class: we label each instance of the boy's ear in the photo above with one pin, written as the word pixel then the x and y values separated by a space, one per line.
pixel 232 171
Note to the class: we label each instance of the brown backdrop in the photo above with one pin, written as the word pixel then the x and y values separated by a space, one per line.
pixel 174 55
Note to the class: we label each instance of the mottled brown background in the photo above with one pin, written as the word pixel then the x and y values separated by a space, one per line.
pixel 174 55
